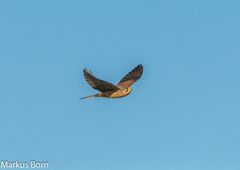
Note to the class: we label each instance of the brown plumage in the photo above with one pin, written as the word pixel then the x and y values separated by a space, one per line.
pixel 110 90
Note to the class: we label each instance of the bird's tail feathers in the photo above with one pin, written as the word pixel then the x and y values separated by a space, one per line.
pixel 95 95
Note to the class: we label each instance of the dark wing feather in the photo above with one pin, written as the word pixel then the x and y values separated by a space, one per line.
pixel 131 77
pixel 98 84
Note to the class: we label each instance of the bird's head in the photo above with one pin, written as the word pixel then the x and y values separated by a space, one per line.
pixel 128 90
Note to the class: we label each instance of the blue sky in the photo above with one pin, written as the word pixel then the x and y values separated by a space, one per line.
pixel 182 115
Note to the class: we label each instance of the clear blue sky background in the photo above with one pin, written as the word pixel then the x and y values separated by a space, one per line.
pixel 182 115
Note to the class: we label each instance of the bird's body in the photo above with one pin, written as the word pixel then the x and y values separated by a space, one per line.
pixel 117 94
pixel 109 90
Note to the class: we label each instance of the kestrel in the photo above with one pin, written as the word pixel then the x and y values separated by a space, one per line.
pixel 109 90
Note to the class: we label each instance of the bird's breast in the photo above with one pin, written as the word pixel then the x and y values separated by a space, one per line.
pixel 120 93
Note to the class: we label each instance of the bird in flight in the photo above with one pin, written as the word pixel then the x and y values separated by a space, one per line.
pixel 109 90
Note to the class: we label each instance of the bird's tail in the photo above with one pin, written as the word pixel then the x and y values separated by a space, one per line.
pixel 95 95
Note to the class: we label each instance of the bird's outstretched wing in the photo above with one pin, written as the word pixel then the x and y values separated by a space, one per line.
pixel 131 77
pixel 98 84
